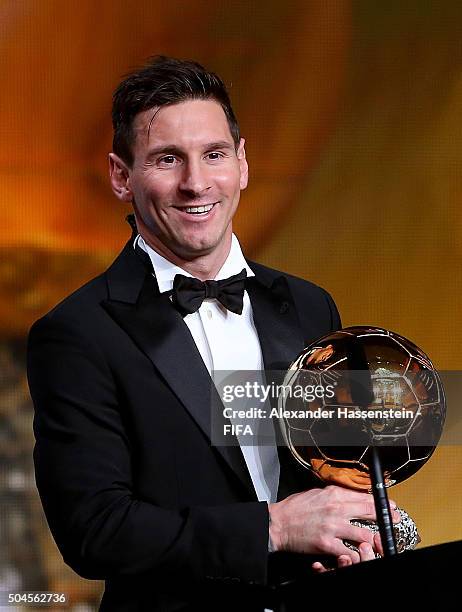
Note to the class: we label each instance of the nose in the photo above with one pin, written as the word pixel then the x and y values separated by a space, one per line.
pixel 194 180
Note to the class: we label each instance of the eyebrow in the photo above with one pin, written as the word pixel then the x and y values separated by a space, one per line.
pixel 174 149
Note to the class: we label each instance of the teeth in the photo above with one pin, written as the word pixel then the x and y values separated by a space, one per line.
pixel 199 209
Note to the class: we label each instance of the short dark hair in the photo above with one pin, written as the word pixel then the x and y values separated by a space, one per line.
pixel 160 82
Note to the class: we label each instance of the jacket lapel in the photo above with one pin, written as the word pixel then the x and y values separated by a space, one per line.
pixel 275 318
pixel 159 331
pixel 281 341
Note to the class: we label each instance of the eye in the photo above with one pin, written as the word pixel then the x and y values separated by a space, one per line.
pixel 214 155
pixel 167 160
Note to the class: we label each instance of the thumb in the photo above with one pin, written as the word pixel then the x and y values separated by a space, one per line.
pixel 378 544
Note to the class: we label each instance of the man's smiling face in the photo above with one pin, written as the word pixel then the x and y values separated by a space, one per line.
pixel 186 178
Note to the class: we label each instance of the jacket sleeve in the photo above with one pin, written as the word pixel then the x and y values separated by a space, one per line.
pixel 84 465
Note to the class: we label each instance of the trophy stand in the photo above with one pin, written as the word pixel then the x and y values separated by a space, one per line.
pixel 362 392
pixel 382 505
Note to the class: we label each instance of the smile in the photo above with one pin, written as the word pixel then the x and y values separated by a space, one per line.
pixel 197 210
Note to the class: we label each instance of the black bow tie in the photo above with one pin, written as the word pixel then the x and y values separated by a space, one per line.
pixel 188 293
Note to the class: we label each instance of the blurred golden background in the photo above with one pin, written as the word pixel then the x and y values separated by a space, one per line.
pixel 351 112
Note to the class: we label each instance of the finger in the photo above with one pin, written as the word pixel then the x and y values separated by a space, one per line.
pixel 378 544
pixel 359 510
pixel 366 511
pixel 396 516
pixel 339 549
pixel 352 533
pixel 344 561
pixel 366 552
pixel 318 568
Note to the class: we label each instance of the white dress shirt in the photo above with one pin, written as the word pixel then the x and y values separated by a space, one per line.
pixel 227 342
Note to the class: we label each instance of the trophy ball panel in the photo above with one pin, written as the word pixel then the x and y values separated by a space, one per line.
pixel 356 388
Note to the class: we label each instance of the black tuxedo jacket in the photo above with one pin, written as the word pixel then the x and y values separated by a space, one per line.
pixel 132 488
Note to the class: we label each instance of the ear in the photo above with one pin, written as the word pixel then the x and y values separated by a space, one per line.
pixel 120 178
pixel 243 166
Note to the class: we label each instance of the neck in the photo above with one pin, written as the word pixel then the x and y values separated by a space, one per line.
pixel 204 267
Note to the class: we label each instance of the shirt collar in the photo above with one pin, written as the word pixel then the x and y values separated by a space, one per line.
pixel 165 270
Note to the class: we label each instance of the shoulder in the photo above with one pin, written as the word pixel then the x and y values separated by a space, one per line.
pixel 75 321
pixel 84 299
pixel 313 303
pixel 83 307
pixel 296 284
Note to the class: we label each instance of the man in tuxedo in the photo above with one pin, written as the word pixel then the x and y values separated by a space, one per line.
pixel 134 491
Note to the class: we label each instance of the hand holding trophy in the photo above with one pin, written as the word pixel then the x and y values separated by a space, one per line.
pixel 364 408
